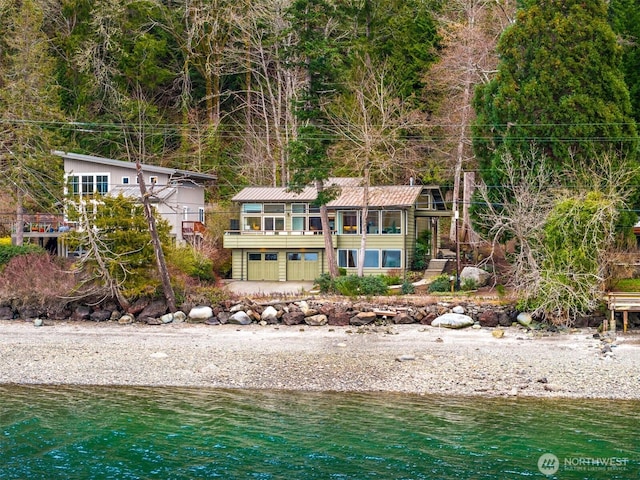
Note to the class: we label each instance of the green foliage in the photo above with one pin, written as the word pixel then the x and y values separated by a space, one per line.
pixel 468 284
pixel 626 285
pixel 7 252
pixel 407 288
pixel 563 92
pixel 440 284
pixel 191 261
pixel 353 285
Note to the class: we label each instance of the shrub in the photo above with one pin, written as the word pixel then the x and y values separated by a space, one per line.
pixel 352 285
pixel 468 284
pixel 7 252
pixel 373 285
pixel 325 283
pixel 191 262
pixel 440 284
pixel 348 285
pixel 408 288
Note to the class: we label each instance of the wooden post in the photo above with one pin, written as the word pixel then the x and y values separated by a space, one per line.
pixel 625 320
pixel 612 322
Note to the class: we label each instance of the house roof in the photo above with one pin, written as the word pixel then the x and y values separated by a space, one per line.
pixel 173 172
pixel 351 194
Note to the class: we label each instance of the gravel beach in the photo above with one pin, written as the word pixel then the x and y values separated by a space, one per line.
pixel 399 358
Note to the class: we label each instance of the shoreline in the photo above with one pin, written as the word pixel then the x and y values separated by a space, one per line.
pixel 411 359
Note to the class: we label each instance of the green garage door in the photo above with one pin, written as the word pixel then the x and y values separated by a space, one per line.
pixel 262 266
pixel 302 266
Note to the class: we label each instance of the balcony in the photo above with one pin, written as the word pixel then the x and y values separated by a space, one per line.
pixel 190 228
pixel 258 239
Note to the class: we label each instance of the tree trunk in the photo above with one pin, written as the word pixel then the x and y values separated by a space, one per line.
pixel 363 223
pixel 19 218
pixel 326 233
pixel 157 246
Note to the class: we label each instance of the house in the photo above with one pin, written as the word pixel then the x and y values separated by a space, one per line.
pixel 279 236
pixel 177 195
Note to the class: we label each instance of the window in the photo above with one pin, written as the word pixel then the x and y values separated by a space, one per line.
pixel 201 214
pixel 254 257
pixel 251 208
pixel 391 222
pixel 251 223
pixel 294 257
pixel 315 224
pixel 153 180
pixel 274 208
pixel 298 223
pixel 349 224
pixel 185 213
pixel 102 184
pixel 311 257
pixel 298 208
pixel 273 223
pixel 271 257
pixel 74 185
pixel 391 259
pixel 347 258
pixel 372 259
pixel 125 180
pixel 373 220
pixel 87 185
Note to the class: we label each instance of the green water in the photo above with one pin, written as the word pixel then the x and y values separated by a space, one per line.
pixel 171 433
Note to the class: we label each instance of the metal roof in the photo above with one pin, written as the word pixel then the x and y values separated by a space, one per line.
pixel 131 165
pixel 351 194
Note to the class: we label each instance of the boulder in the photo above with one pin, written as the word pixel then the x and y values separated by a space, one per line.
pixel 316 320
pixel 100 315
pixel 293 318
pixel 200 314
pixel 6 313
pixel 126 319
pixel 524 319
pixel 179 317
pixel 156 308
pixel 167 318
pixel 240 318
pixel 488 318
pixel 403 318
pixel 269 315
pixel 475 274
pixel 453 320
pixel 363 318
pixel 458 309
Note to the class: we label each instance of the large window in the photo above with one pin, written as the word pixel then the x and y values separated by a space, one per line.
pixel 391 222
pixel 373 222
pixel 347 258
pixel 372 259
pixel 251 208
pixel 274 223
pixel 251 223
pixel 298 223
pixel 88 184
pixel 349 223
pixel 391 259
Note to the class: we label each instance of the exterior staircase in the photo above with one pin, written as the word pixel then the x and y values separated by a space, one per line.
pixel 435 268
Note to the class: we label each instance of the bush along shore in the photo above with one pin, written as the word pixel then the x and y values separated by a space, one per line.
pixel 452 313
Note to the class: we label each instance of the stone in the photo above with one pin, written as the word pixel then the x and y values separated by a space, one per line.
pixel 212 321
pixel 488 318
pixel 6 313
pixel 126 319
pixel 293 318
pixel 115 315
pixel 477 275
pixel 156 308
pixel 316 320
pixel 403 318
pixel 405 358
pixel 100 315
pixel 223 317
pixel 200 314
pixel 167 318
pixel 498 333
pixel 38 322
pixel 269 315
pixel 339 317
pixel 179 317
pixel 453 320
pixel 81 313
pixel 236 308
pixel 151 320
pixel 524 319
pixel 240 318
pixel 458 309
pixel 363 318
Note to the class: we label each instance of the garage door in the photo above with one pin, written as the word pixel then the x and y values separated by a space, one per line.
pixel 302 266
pixel 262 266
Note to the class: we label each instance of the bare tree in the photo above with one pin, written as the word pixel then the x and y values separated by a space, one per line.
pixel 370 123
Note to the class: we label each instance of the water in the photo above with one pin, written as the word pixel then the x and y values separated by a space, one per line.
pixel 172 433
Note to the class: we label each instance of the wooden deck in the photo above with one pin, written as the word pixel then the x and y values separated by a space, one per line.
pixel 624 302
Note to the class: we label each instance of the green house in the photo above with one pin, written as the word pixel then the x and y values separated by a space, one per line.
pixel 278 235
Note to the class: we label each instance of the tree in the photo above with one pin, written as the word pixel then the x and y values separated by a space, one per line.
pixel 317 51
pixel 558 86
pixel 28 100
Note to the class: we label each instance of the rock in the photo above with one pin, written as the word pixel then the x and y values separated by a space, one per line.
pixel 405 358
pixel 151 321
pixel 403 318
pixel 81 313
pixel 524 319
pixel 6 313
pixel 237 308
pixel 38 322
pixel 167 318
pixel 293 318
pixel 475 274
pixel 179 317
pixel 498 333
pixel 606 348
pixel 339 317
pixel 488 318
pixel 269 315
pixel 200 314
pixel 115 315
pixel 156 308
pixel 453 320
pixel 458 309
pixel 476 326
pixel 100 315
pixel 316 320
pixel 212 321
pixel 240 318
pixel 138 306
pixel 125 319
pixel 363 318
pixel 223 317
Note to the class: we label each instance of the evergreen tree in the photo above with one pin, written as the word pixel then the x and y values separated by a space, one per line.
pixel 559 87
